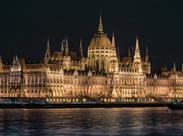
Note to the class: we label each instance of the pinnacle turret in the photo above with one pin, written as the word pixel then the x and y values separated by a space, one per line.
pixel 137 57
pixel 62 46
pixel 81 48
pixel 113 41
pixel 147 55
pixel 66 47
pixel 129 52
pixel 47 53
pixel 174 66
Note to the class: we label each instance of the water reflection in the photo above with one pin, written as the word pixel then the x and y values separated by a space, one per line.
pixel 113 121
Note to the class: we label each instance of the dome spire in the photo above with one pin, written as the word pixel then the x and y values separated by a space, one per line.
pixel 100 26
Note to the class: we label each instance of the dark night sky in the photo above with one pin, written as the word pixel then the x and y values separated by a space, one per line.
pixel 26 25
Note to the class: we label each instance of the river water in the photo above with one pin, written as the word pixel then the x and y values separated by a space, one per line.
pixel 91 122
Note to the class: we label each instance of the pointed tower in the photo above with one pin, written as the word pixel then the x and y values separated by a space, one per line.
pixel 16 64
pixel 113 41
pixel 47 53
pixel 129 52
pixel 66 58
pixel 100 26
pixel 62 46
pixel 147 63
pixel 174 67
pixel 137 59
pixel 132 50
pixel 147 55
pixel 81 49
pixel 66 47
pixel 182 68
pixel 62 50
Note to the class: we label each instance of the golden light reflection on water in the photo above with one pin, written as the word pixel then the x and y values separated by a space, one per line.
pixel 95 121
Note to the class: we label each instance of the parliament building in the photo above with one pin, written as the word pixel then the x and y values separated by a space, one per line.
pixel 65 76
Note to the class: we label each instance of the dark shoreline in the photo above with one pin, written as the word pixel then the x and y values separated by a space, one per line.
pixel 52 106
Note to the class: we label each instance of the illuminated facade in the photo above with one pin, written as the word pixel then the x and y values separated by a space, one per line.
pixel 101 76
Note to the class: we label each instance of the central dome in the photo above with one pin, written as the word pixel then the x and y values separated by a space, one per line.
pixel 100 39
pixel 100 42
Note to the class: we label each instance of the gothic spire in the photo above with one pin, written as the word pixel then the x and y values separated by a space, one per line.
pixel 100 26
pixel 113 41
pixel 81 48
pixel 48 44
pixel 174 66
pixel 137 57
pixel 62 46
pixel 66 47
pixel 147 55
pixel 129 52
pixel 47 54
